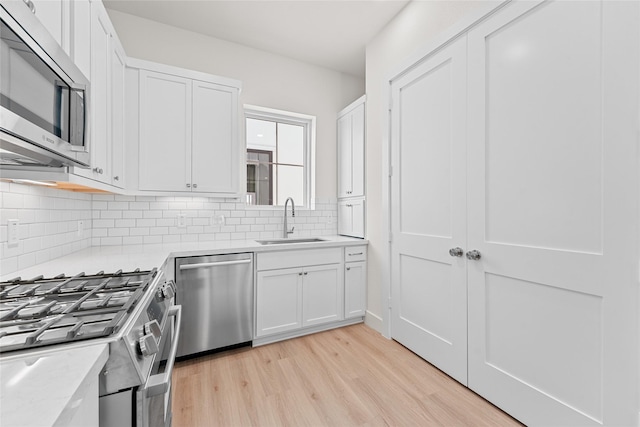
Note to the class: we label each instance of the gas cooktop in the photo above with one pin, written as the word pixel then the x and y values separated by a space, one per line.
pixel 46 311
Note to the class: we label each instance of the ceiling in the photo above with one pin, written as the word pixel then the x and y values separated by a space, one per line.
pixel 328 33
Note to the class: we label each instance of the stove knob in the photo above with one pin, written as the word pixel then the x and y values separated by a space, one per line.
pixel 167 291
pixel 148 345
pixel 152 328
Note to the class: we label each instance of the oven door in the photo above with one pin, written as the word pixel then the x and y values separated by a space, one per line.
pixel 153 399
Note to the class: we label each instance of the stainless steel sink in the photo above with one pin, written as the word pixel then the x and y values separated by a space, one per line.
pixel 284 241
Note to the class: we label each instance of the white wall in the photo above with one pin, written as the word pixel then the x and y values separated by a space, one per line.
pixel 268 80
pixel 410 31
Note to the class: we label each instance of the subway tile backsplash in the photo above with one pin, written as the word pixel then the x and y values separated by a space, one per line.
pixel 48 224
pixel 49 221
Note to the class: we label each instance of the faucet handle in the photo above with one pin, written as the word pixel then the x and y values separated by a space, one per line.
pixel 291 231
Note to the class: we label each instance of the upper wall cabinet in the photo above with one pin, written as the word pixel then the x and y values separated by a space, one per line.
pixel 188 131
pixel 107 61
pixel 351 150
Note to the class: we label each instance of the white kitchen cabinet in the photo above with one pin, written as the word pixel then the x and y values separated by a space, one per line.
pixel 99 145
pixel 351 217
pixel 106 104
pixel 165 132
pixel 298 289
pixel 215 154
pixel 278 301
pixel 200 149
pixel 117 93
pixel 355 281
pixel 322 294
pixel 351 143
pixel 80 35
pixel 512 265
pixel 351 140
pixel 54 15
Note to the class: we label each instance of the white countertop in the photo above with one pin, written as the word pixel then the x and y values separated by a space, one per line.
pixel 145 257
pixel 48 389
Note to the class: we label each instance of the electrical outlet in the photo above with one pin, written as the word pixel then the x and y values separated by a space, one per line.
pixel 13 232
pixel 182 221
pixel 329 218
pixel 80 228
pixel 219 220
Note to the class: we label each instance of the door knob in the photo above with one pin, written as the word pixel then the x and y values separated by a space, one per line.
pixel 456 252
pixel 473 255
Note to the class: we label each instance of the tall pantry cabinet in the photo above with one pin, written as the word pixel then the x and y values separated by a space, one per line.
pixel 514 210
pixel 351 174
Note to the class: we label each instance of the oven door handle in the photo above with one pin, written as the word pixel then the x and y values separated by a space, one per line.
pixel 159 383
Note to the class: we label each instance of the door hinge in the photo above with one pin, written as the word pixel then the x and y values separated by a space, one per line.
pixel 390 237
pixel 390 170
pixel 388 302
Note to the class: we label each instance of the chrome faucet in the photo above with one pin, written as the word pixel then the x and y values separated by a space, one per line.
pixel 286 231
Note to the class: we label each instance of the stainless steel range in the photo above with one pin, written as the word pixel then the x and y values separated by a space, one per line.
pixel 127 310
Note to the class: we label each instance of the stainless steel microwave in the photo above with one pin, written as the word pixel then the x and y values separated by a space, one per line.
pixel 44 97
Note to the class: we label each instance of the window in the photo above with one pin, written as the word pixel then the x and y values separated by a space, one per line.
pixel 280 147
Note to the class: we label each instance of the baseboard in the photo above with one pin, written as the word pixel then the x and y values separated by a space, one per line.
pixel 374 321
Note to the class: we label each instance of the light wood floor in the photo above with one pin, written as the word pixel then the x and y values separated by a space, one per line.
pixel 344 377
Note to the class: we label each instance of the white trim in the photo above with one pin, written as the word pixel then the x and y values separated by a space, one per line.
pixel 258 341
pixel 413 60
pixel 353 105
pixel 309 122
pixel 373 321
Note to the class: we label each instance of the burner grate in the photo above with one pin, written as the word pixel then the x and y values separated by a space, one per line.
pixel 39 311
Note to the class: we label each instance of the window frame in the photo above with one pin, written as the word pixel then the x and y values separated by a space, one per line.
pixel 308 122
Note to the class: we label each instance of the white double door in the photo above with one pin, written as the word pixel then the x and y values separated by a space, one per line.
pixel 518 140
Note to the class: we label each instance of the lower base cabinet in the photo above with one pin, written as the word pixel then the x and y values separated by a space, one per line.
pixel 355 289
pixel 298 289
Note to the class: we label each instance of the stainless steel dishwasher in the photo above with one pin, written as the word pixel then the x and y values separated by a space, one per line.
pixel 216 295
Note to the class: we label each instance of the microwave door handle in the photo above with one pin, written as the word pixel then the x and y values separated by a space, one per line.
pixel 159 383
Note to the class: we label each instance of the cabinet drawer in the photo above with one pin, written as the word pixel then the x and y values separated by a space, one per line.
pixel 355 253
pixel 298 258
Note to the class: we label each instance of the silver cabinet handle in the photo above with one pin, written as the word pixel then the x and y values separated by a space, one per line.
pixel 98 170
pixel 456 252
pixel 30 5
pixel 195 185
pixel 213 264
pixel 159 383
pixel 348 268
pixel 188 185
pixel 355 254
pixel 474 255
pixel 299 274
pixel 116 178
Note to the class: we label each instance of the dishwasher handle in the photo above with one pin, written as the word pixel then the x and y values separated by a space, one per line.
pixel 213 264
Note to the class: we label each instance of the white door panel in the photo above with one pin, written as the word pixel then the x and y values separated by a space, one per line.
pixel 552 301
pixel 429 293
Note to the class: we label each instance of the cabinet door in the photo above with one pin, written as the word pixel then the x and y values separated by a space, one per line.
pixel 322 294
pixel 344 156
pixel 355 289
pixel 117 114
pixel 165 132
pixel 357 218
pixel 278 301
pixel 100 83
pixel 351 219
pixel 50 13
pixel 553 113
pixel 215 153
pixel 429 288
pixel 345 218
pixel 357 151
pixel 80 35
